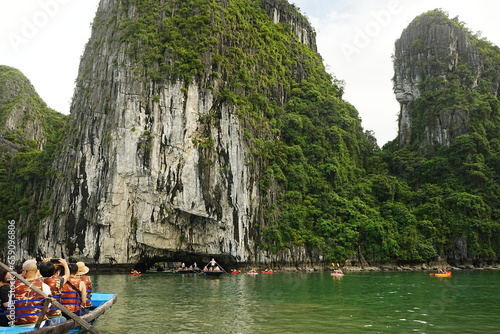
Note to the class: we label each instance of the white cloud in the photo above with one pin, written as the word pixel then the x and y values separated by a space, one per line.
pixel 357 43
pixel 44 39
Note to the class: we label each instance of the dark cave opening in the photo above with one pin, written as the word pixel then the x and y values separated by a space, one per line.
pixel 172 261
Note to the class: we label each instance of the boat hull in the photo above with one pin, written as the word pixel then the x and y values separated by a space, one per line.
pixel 212 273
pixel 442 275
pixel 100 302
pixel 187 271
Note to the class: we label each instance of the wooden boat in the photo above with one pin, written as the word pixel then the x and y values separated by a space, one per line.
pixel 100 301
pixel 187 271
pixel 212 273
pixel 213 269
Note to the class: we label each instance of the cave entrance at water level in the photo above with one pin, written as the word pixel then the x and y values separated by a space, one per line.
pixel 172 263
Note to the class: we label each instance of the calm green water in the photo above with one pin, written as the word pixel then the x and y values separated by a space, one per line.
pixel 399 302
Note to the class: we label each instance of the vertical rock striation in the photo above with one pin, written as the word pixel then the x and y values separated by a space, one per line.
pixel 153 167
pixel 21 109
pixel 430 53
pixel 280 11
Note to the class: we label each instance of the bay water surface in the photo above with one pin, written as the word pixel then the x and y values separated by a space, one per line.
pixel 374 302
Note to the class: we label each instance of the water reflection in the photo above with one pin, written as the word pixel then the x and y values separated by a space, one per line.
pixel 298 303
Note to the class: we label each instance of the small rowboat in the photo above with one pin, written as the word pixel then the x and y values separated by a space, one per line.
pixel 213 269
pixel 187 271
pixel 447 274
pixel 212 273
pixel 101 302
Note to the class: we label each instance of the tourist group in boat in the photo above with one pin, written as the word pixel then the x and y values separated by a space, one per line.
pixel 67 283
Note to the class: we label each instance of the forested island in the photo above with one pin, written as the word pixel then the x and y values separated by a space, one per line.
pixel 211 128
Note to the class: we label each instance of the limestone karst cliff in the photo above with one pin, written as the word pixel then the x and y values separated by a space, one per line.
pixel 23 113
pixel 202 129
pixel 29 132
pixel 439 70
pixel 164 152
pixel 447 82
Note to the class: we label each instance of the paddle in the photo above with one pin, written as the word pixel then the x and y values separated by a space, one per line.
pixel 218 265
pixel 73 316
pixel 46 305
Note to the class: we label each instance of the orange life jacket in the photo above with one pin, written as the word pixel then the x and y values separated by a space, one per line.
pixel 55 290
pixel 70 297
pixel 28 303
pixel 88 284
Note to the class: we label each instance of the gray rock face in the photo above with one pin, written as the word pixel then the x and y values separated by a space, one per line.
pixel 281 12
pixel 22 107
pixel 432 46
pixel 150 170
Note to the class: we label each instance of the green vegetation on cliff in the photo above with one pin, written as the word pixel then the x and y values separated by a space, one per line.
pixel 307 141
pixel 339 195
pixel 30 134
pixel 453 189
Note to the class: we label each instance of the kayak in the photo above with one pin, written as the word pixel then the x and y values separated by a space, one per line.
pixel 447 274
pixel 337 274
pixel 443 275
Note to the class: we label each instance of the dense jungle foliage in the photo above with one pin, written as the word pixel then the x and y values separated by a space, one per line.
pixel 24 163
pixel 340 194
pixel 454 190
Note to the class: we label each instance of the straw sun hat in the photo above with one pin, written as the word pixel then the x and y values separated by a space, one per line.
pixel 82 268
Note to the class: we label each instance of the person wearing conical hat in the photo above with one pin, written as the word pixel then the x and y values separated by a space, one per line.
pixel 82 271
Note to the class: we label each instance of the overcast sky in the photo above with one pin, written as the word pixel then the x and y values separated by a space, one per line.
pixel 45 39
